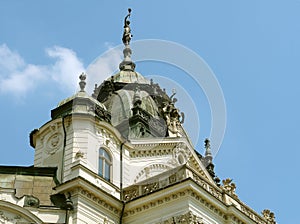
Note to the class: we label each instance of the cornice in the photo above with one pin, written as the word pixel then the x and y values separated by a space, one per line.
pixel 151 152
pixel 157 142
pixel 211 197
pixel 186 188
pixel 102 201
pixel 220 194
pixel 80 186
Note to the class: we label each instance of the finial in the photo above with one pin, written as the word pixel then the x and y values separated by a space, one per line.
pixel 208 155
pixel 127 31
pixel 127 64
pixel 207 143
pixel 82 82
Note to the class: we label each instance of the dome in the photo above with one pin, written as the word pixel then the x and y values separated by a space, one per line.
pixel 82 95
pixel 130 77
pixel 121 103
pixel 138 107
pixel 81 103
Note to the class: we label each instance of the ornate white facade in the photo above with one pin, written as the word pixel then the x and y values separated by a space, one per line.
pixel 119 156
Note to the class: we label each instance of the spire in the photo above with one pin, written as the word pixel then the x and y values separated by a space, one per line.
pixel 208 162
pixel 208 154
pixel 127 64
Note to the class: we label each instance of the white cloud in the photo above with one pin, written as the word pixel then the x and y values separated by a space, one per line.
pixel 17 77
pixel 10 61
pixel 67 67
pixel 20 82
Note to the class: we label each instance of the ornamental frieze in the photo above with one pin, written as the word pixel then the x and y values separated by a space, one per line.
pixel 187 218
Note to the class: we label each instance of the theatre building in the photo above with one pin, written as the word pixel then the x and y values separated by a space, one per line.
pixel 120 155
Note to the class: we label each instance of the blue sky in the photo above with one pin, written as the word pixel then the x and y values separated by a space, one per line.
pixel 252 47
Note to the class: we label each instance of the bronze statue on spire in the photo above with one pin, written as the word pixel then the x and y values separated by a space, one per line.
pixel 127 64
pixel 127 31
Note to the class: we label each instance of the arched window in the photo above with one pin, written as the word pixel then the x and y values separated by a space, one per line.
pixel 104 166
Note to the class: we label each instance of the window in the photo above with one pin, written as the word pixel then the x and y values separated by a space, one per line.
pixel 104 169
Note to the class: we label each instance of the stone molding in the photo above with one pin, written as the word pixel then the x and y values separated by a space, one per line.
pixel 81 187
pixel 222 213
pixel 100 201
pixel 6 218
pixel 150 152
pixel 172 197
pixel 165 179
pixel 168 149
pixel 46 132
pixel 185 174
pixel 13 214
pixel 186 218
pixel 151 167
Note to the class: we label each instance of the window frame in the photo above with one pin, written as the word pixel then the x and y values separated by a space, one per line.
pixel 106 160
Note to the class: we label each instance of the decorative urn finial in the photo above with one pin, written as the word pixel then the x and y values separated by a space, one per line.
pixel 82 82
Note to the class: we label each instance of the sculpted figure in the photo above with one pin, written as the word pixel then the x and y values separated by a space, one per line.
pixel 127 31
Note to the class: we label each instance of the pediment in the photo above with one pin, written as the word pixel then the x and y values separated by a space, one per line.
pixel 174 153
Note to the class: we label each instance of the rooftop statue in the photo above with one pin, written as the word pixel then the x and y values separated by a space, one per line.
pixel 127 64
pixel 269 216
pixel 229 187
pixel 127 31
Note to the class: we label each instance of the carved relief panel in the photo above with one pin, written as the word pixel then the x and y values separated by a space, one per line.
pixel 10 218
pixel 180 155
pixel 54 142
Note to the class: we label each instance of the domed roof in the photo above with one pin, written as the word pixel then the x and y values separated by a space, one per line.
pixel 137 106
pixel 121 103
pixel 81 103
pixel 82 95
pixel 129 77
